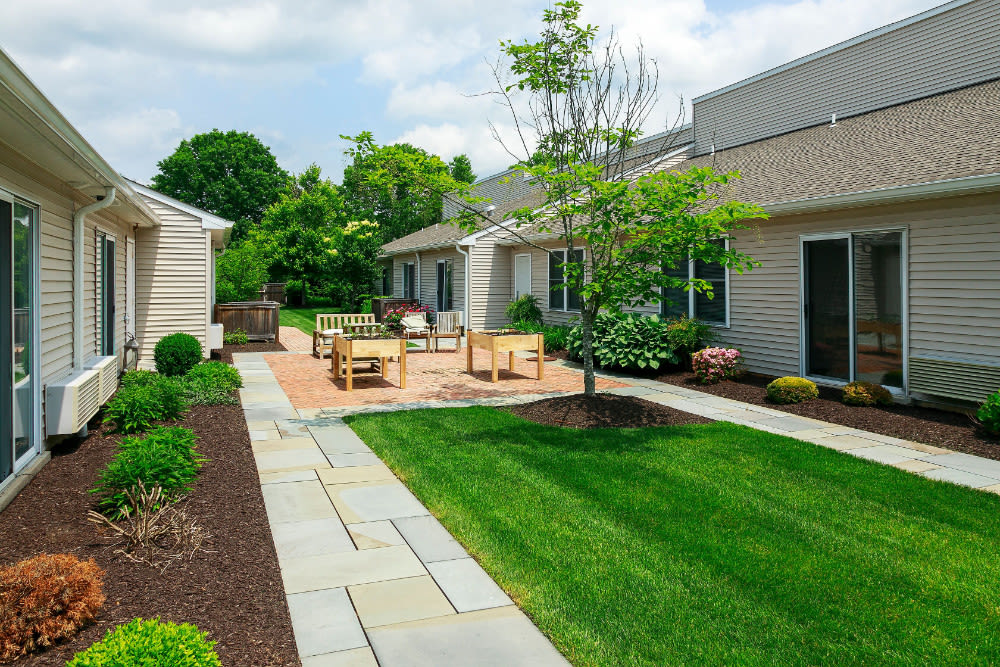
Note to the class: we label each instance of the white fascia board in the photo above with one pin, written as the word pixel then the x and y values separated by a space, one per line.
pixel 208 220
pixel 952 187
pixel 871 34
pixel 429 246
pixel 50 123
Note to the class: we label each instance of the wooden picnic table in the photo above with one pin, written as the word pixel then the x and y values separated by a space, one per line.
pixel 352 348
pixel 509 343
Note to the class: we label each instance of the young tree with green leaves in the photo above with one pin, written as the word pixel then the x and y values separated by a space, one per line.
pixel 586 108
pixel 231 174
pixel 460 169
pixel 240 272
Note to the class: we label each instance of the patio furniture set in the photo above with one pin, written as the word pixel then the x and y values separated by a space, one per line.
pixel 353 338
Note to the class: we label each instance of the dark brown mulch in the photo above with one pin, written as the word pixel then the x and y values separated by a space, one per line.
pixel 226 353
pixel 233 590
pixel 603 411
pixel 953 430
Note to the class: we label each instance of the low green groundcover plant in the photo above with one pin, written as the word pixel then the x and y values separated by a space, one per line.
pixel 212 383
pixel 176 354
pixel 166 456
pixel 143 399
pixel 989 413
pixel 707 544
pixel 235 337
pixel 865 394
pixel 791 390
pixel 150 643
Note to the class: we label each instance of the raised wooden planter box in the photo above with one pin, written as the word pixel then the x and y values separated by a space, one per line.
pixel 496 343
pixel 366 348
pixel 258 318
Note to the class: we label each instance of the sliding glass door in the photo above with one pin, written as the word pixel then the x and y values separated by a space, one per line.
pixel 852 307
pixel 18 434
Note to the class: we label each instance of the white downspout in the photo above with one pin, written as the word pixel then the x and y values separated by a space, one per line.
pixel 419 293
pixel 78 228
pixel 468 283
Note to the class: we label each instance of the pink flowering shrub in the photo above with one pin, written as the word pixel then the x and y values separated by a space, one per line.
pixel 714 364
pixel 393 317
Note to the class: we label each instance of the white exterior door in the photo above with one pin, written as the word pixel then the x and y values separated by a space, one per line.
pixel 522 275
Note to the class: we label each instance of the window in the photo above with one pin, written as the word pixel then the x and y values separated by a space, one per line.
pixel 561 297
pixel 386 281
pixel 444 285
pixel 695 304
pixel 409 280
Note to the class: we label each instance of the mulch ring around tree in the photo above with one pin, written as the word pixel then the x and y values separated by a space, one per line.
pixel 602 411
pixel 225 355
pixel 232 588
pixel 952 430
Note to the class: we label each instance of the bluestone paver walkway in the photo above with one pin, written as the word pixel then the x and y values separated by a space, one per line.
pixel 371 575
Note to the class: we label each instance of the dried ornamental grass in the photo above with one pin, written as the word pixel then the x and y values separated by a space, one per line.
pixel 45 599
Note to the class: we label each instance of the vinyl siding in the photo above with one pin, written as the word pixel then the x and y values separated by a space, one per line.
pixel 953 274
pixel 955 48
pixel 492 283
pixel 56 205
pixel 172 269
pixel 427 279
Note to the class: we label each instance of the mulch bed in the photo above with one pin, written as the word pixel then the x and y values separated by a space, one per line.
pixel 603 411
pixel 952 430
pixel 226 353
pixel 233 589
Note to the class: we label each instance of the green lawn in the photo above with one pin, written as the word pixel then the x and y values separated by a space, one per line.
pixel 709 544
pixel 302 318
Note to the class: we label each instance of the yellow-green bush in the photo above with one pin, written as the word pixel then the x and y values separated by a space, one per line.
pixel 865 394
pixel 791 390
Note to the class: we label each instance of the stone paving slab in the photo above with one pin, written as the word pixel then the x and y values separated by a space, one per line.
pixel 375 534
pixel 429 539
pixel 338 439
pixel 966 463
pixel 467 585
pixel 259 414
pixel 290 476
pixel 353 460
pixel 324 621
pixel 843 442
pixel 915 465
pixel 357 657
pixel 296 459
pixel 960 477
pixel 888 454
pixel 374 473
pixel 296 501
pixel 350 568
pixel 359 502
pixel 399 601
pixel 492 638
pixel 299 539
pixel 282 444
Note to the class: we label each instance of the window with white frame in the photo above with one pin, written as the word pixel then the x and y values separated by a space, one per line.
pixel 677 302
pixel 562 298
pixel 409 280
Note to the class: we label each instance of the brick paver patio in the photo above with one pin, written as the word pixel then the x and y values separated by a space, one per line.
pixel 308 382
pixel 295 340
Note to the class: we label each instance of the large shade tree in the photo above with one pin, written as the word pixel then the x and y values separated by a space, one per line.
pixel 231 174
pixel 586 105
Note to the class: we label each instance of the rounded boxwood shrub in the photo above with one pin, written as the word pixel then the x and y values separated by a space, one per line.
pixel 865 394
pixel 150 643
pixel 989 413
pixel 791 390
pixel 176 354
pixel 45 599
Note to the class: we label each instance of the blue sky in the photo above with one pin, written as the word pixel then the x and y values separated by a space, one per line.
pixel 136 77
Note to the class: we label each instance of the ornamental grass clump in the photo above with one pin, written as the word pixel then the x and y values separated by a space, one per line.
pixel 715 364
pixel 150 642
pixel 989 413
pixel 45 599
pixel 865 394
pixel 791 390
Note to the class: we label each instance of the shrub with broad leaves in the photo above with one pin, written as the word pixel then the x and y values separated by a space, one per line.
pixel 989 413
pixel 235 337
pixel 150 642
pixel 865 394
pixel 791 390
pixel 524 309
pixel 556 336
pixel 147 398
pixel 45 599
pixel 715 364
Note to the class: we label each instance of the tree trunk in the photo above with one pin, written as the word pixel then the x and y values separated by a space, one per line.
pixel 587 344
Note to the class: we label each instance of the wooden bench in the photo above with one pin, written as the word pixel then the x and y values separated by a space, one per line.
pixel 329 325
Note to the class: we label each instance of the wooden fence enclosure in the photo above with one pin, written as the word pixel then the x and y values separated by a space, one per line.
pixel 259 319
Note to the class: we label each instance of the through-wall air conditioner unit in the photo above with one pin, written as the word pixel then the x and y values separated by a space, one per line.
pixel 72 401
pixel 108 368
pixel 215 332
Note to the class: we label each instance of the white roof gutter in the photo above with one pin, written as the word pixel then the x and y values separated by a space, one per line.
pixel 79 218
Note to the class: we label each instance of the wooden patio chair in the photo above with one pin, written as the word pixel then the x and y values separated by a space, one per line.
pixel 449 325
pixel 332 324
pixel 415 327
